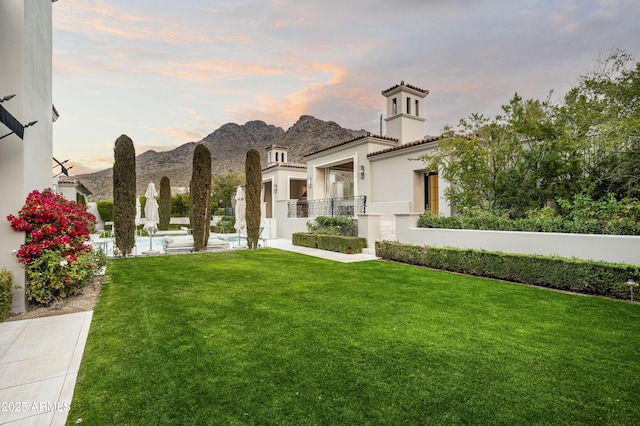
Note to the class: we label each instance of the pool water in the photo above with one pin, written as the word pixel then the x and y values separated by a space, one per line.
pixel 142 244
pixel 237 239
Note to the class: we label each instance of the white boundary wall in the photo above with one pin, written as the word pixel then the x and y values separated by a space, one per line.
pixel 608 248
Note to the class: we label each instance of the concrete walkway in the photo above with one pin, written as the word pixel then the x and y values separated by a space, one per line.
pixel 283 244
pixel 40 358
pixel 39 362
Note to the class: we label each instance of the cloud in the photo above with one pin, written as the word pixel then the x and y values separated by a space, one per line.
pixel 89 164
pixel 180 135
pixel 97 19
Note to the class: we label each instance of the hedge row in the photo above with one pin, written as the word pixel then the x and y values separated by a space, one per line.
pixel 105 210
pixel 580 276
pixel 545 224
pixel 338 243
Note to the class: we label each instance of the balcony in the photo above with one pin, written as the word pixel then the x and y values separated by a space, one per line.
pixel 331 207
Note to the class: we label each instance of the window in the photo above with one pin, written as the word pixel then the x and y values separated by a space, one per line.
pixel 408 105
pixel 394 108
pixel 417 110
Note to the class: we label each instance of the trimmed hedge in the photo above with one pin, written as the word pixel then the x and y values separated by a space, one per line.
pixel 542 224
pixel 580 276
pixel 6 282
pixel 337 243
pixel 105 210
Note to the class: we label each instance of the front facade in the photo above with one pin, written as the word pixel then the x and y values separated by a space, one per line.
pixel 372 174
pixel 25 67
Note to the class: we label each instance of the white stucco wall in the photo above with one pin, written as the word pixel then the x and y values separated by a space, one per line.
pixel 405 125
pixel 25 165
pixel 393 186
pixel 285 227
pixel 68 191
pixel 608 248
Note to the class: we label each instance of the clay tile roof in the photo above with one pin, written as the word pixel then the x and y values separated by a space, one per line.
pixel 72 181
pixel 406 85
pixel 368 135
pixel 407 145
pixel 289 165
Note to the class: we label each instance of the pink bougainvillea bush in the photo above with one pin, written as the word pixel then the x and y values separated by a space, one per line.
pixel 56 259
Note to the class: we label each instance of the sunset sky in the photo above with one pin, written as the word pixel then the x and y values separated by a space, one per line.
pixel 170 72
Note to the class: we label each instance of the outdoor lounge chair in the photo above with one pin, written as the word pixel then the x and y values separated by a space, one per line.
pixel 185 245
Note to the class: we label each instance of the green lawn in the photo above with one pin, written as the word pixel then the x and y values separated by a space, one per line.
pixel 271 337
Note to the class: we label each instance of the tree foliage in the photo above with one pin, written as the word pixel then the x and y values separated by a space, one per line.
pixel 200 197
pixel 224 186
pixel 540 152
pixel 180 205
pixel 164 210
pixel 253 172
pixel 124 194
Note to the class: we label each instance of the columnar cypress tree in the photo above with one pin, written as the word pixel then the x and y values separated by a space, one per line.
pixel 124 194
pixel 200 197
pixel 164 209
pixel 253 172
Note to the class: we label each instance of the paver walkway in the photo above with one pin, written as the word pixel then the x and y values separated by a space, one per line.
pixel 39 362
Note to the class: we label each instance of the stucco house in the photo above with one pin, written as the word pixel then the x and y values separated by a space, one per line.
pixel 373 177
pixel 26 118
pixel 72 189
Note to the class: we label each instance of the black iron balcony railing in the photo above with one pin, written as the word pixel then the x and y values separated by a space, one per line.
pixel 347 207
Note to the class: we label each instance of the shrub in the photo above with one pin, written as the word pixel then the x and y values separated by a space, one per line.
pixel 164 209
pixel 253 172
pixel 590 277
pixel 124 194
pixel 337 243
pixel 334 226
pixel 57 260
pixel 200 197
pixel 6 283
pixel 534 223
pixel 305 240
pixel 225 224
pixel 341 244
pixel 105 210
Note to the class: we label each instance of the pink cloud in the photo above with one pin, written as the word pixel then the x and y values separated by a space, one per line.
pixel 97 18
pixel 181 135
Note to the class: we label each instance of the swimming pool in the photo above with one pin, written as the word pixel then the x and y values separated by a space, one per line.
pixel 142 243
pixel 237 240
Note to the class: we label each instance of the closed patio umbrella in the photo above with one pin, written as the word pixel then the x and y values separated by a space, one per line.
pixel 241 212
pixel 151 214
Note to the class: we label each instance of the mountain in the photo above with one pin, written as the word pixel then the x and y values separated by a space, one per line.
pixel 228 145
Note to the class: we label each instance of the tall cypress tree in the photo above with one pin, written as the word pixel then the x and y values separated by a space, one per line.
pixel 200 197
pixel 124 194
pixel 253 172
pixel 164 209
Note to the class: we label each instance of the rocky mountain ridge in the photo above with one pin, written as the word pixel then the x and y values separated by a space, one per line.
pixel 228 145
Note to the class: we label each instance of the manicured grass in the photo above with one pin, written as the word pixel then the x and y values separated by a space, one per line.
pixel 270 337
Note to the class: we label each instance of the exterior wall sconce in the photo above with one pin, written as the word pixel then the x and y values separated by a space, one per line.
pixel 361 172
pixel 308 182
pixel 275 187
pixel 631 284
